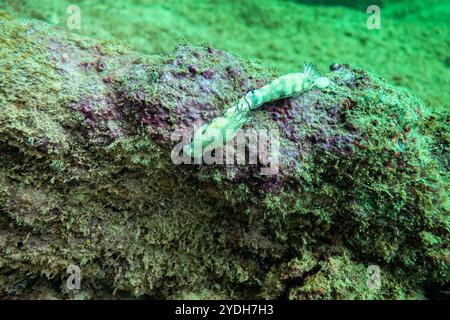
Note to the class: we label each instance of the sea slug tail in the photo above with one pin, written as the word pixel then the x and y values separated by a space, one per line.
pixel 311 71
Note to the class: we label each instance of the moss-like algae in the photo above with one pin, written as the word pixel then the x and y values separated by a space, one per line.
pixel 86 179
pixel 410 49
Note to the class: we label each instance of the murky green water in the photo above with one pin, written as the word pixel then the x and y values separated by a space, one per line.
pixel 411 49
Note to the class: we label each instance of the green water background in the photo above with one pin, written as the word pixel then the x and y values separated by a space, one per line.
pixel 411 49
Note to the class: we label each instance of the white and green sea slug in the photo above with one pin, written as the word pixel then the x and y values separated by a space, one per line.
pixel 222 129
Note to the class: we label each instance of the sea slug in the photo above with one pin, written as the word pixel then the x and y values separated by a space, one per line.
pixel 222 129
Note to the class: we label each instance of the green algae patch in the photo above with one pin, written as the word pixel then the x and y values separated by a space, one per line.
pixel 27 79
pixel 410 49
pixel 86 178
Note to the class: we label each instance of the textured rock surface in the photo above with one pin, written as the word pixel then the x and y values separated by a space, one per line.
pixel 86 178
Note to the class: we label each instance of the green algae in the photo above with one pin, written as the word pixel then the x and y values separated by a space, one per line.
pixel 363 181
pixel 410 50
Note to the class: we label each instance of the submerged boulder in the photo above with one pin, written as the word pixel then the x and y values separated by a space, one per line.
pixel 87 179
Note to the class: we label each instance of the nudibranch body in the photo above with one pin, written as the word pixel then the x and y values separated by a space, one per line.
pixel 223 129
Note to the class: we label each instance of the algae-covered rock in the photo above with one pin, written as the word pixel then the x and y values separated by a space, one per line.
pixel 86 179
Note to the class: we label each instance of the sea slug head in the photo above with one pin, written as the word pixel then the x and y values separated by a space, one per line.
pixel 195 148
pixel 207 137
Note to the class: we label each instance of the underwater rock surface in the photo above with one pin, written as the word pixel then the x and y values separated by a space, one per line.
pixel 86 178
